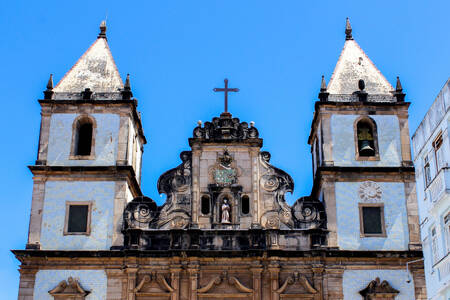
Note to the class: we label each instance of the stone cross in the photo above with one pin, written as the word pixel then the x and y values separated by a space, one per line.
pixel 226 90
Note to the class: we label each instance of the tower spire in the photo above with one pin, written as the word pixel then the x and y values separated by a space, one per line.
pixel 48 93
pixel 126 93
pixel 102 34
pixel 348 30
pixel 399 91
pixel 398 87
pixel 323 95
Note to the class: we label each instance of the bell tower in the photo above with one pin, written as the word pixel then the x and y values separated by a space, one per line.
pixel 361 157
pixel 89 158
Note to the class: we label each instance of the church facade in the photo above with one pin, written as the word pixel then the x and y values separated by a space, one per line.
pixel 225 230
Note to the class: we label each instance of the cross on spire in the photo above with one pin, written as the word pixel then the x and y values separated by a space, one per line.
pixel 226 90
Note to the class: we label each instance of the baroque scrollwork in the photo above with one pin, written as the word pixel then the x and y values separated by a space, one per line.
pixel 296 277
pixel 139 213
pixel 376 288
pixel 309 213
pixel 69 289
pixel 225 128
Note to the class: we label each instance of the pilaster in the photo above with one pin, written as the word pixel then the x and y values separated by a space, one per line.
pixel 43 138
pixel 329 194
pixel 327 139
pixel 274 270
pixel 26 284
pixel 123 140
pixel 37 206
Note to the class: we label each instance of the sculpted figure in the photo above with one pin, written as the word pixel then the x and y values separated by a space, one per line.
pixel 225 212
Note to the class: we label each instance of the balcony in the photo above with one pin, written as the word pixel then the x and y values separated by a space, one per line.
pixel 443 267
pixel 439 186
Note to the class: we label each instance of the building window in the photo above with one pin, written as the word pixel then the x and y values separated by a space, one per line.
pixel 366 139
pixel 447 231
pixel 371 217
pixel 434 245
pixel 426 171
pixel 78 218
pixel 439 152
pixel 206 205
pixel 83 138
pixel 245 205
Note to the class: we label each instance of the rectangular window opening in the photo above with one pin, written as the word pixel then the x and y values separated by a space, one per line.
pixel 77 218
pixel 372 220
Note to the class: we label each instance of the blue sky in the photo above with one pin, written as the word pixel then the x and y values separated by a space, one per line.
pixel 177 51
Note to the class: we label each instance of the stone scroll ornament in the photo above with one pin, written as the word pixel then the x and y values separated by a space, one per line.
pixel 176 184
pixel 70 289
pixel 140 213
pixel 222 278
pixel 309 213
pixel 225 128
pixel 276 182
pixel 379 290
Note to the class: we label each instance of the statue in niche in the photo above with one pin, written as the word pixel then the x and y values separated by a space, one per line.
pixel 225 212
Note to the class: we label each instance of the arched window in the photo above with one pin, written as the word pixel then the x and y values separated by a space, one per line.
pixel 206 205
pixel 83 137
pixel 245 205
pixel 366 139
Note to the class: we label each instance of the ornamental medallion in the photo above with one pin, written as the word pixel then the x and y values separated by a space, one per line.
pixel 224 171
pixel 369 191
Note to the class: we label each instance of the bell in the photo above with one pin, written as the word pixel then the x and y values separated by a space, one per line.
pixel 366 149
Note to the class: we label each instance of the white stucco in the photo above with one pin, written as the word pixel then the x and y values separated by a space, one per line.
pixel 101 193
pixel 347 212
pixel 343 138
pixel 94 281
pixel 356 280
pixel 60 140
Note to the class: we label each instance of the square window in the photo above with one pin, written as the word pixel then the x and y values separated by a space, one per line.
pixel 78 218
pixel 372 220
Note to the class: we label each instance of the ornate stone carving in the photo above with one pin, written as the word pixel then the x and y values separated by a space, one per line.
pixel 69 289
pixel 225 219
pixel 153 284
pixel 369 191
pixel 297 278
pixel 277 183
pixel 224 172
pixel 176 184
pixel 309 213
pixel 225 128
pixel 376 290
pixel 139 213
pixel 224 278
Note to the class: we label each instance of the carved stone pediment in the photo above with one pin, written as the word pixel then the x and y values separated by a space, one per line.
pixel 377 291
pixel 296 286
pixel 224 286
pixel 70 289
pixel 153 285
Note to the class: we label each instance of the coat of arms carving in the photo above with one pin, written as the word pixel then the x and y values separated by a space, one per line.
pixel 224 172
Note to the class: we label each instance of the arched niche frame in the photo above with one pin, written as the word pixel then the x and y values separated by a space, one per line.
pixel 372 125
pixel 234 206
pixel 78 123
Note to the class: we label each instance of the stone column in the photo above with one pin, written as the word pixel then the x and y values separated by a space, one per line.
pixel 123 140
pixel 193 271
pixel 131 283
pixel 44 136
pixel 37 209
pixel 418 275
pixel 327 139
pixel 26 284
pixel 330 207
pixel 196 152
pixel 404 139
pixel 333 288
pixel 254 159
pixel 318 281
pixel 114 287
pixel 175 281
pixel 274 270
pixel 256 270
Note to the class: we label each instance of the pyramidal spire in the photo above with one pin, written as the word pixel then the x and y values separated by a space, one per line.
pixel 95 70
pixel 50 82
pixel 354 65
pixel 398 86
pixel 323 85
pixel 348 30
pixel 48 93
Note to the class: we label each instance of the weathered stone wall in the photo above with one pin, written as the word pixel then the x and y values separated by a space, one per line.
pixel 343 141
pixel 105 140
pixel 91 280
pixel 348 228
pixel 101 193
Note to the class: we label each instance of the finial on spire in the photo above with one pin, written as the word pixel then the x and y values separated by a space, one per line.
pixel 126 93
pixel 362 95
pixel 323 95
pixel 399 91
pixel 348 30
pixel 398 87
pixel 48 93
pixel 102 34
pixel 323 85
